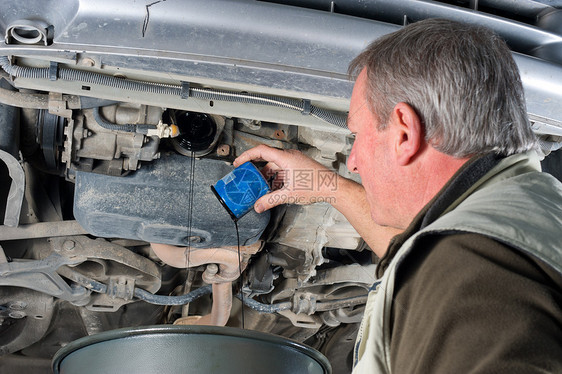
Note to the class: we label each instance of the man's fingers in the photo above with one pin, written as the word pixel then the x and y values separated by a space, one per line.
pixel 269 170
pixel 270 200
pixel 244 157
pixel 250 155
pixel 261 152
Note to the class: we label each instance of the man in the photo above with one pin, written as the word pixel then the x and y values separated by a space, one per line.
pixel 473 280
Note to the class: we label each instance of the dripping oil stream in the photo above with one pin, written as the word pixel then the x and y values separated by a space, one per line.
pixel 189 232
pixel 240 270
pixel 190 214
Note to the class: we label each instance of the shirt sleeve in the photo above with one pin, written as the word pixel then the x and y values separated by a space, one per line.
pixel 465 303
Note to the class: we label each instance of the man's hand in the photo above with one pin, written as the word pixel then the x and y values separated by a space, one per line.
pixel 301 180
pixel 296 178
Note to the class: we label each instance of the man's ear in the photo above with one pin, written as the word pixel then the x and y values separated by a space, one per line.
pixel 408 133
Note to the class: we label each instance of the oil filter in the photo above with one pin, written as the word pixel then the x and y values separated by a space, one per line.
pixel 240 189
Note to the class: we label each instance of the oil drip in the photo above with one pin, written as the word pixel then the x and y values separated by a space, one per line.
pixel 240 270
pixel 189 238
pixel 190 203
pixel 187 283
pixel 237 192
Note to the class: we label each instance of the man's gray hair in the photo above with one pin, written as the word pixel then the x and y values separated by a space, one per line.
pixel 461 80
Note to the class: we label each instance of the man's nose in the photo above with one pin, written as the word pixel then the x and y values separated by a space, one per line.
pixel 352 162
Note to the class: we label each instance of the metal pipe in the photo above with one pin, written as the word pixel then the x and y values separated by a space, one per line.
pixel 33 100
pixel 224 266
pixel 139 293
pixel 225 257
pixel 266 308
pixel 222 305
pixel 320 306
pixel 171 300
pixel 41 230
pixel 341 303
pixel 41 101
pixel 139 128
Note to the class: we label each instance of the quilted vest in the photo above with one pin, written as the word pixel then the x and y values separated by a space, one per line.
pixel 514 204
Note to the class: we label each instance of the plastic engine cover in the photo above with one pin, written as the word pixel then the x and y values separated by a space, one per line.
pixel 153 204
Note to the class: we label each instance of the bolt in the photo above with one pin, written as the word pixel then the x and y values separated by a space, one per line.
pixel 16 315
pixel 17 305
pixel 250 123
pixel 223 150
pixel 87 62
pixel 195 239
pixel 279 134
pixel 68 245
pixel 212 269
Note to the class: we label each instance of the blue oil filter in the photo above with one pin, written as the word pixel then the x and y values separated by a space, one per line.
pixel 240 189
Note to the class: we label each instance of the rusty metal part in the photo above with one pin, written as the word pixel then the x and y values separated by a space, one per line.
pixel 222 304
pixel 223 266
pixel 40 275
pixel 244 140
pixel 225 257
pixel 223 150
pixel 17 188
pixel 280 134
pixel 109 263
pixel 220 312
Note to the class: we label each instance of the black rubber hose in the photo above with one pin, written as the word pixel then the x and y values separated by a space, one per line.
pixel 341 303
pixel 266 308
pixel 172 300
pixel 142 129
pixel 320 306
pixel 139 293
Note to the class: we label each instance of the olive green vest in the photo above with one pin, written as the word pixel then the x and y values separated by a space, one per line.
pixel 513 204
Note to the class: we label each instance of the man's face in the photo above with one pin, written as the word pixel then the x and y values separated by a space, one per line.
pixel 370 155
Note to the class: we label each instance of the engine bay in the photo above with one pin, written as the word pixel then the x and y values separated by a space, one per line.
pixel 127 231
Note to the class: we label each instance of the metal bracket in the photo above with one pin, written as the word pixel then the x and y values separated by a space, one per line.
pixel 121 287
pixel 53 70
pixel 304 302
pixel 306 107
pixel 184 90
pixel 302 320
pixel 41 275
pixel 58 106
pixel 17 189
